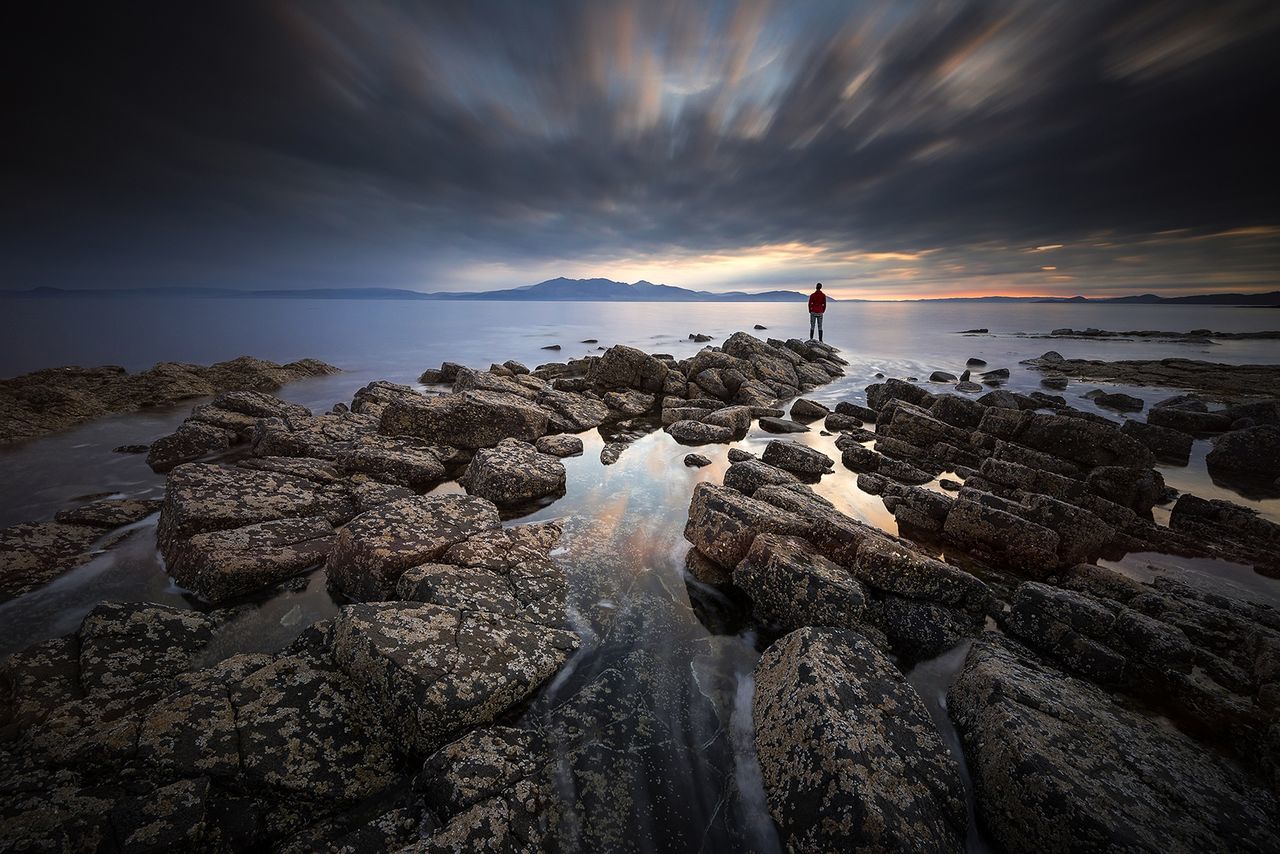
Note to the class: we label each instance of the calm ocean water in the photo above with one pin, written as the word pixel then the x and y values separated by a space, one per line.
pixel 625 552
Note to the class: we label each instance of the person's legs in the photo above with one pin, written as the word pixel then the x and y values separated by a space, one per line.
pixel 813 318
pixel 819 328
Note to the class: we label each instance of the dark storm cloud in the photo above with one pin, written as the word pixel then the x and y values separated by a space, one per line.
pixel 911 146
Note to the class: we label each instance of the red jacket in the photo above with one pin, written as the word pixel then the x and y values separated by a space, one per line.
pixel 817 302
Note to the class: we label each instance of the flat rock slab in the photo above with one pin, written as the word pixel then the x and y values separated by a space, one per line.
pixel 851 759
pixel 468 419
pixel 110 512
pixel 222 565
pixel 33 553
pixel 399 460
pixel 435 670
pixel 791 587
pixel 560 445
pixel 723 523
pixel 513 473
pixel 782 425
pixel 796 458
pixel 199 498
pixel 127 644
pixel 375 548
pixel 1059 765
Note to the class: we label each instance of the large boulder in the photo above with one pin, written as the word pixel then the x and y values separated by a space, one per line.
pixel 748 475
pixel 1060 766
pixel 850 757
pixel 626 367
pixel 791 587
pixel 723 523
pixel 469 419
pixel 434 671
pixel 191 441
pixel 1249 454
pixel 570 412
pixel 375 548
pixel 513 473
pixel 1080 441
pixel 796 458
pixel 1169 445
pixel 891 567
pixel 697 433
pixel 400 460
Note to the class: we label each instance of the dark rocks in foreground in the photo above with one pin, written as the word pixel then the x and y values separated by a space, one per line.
pixel 45 401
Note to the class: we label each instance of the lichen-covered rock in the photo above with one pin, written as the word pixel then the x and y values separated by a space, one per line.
pixel 723 523
pixel 376 547
pixel 127 644
pixel 626 367
pixel 199 498
pixel 36 680
pixel 698 433
pixel 468 379
pixel 750 474
pixel 32 553
pixel 791 587
pixel 736 418
pixel 1085 442
pixel 772 424
pixel 630 402
pixel 808 410
pixel 401 460
pixel 435 670
pixel 571 413
pixel 1168 444
pixel 189 442
pixel 109 512
pixel 981 525
pixel 696 460
pixel 850 757
pixel 221 565
pixel 1059 766
pixel 469 419
pixel 560 445
pixel 1251 454
pixel 891 567
pixel 796 458
pixel 513 473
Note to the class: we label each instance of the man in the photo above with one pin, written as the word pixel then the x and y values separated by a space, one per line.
pixel 817 305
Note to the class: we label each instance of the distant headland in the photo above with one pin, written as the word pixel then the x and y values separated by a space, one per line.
pixel 606 290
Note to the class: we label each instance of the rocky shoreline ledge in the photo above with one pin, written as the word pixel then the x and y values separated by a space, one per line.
pixel 57 398
pixel 1095 711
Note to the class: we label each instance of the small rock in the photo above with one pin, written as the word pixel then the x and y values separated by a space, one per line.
pixel 131 449
pixel 796 458
pixel 559 445
pixel 975 362
pixel 738 455
pixel 552 347
pixel 1120 402
pixel 696 460
pixel 758 326
pixel 513 473
pixel 941 377
pixel 969 388
pixel 780 425
pixel 808 410
pixel 699 337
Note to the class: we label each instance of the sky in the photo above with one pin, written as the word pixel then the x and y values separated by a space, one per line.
pixel 888 149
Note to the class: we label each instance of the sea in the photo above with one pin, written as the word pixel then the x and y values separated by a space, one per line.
pixel 623 551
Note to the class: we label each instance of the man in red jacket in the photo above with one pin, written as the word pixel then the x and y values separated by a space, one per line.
pixel 817 305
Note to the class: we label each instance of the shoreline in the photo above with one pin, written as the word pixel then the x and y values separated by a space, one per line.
pixel 1038 490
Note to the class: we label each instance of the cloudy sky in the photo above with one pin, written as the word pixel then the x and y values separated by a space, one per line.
pixel 889 149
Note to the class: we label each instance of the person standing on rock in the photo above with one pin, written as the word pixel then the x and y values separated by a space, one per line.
pixel 817 306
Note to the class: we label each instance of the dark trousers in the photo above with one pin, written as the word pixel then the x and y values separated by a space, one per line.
pixel 815 320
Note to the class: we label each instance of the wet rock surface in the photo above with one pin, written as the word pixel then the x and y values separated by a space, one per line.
pixel 45 401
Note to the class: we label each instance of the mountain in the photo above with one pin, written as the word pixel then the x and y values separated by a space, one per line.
pixel 607 290
pixel 561 289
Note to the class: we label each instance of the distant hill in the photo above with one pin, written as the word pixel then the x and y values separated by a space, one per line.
pixel 607 290
pixel 561 289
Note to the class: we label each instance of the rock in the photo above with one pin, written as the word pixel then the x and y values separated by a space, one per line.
pixel 1251 454
pixel 808 410
pixel 1139 489
pixel 191 441
pixel 796 458
pixel 513 473
pixel 130 449
pixel 570 412
pixel 1001 536
pixel 1167 444
pixel 1049 753
pixel 469 419
pixel 200 498
pixel 612 452
pixel 837 423
pixel 552 347
pixel 841 737
pixel 399 460
pixel 917 630
pixel 865 414
pixel 750 474
pixel 791 587
pixel 758 326
pixel 321 437
pixel 316 471
pixel 433 671
pixel 699 337
pixel 630 402
pixel 997 374
pixel 723 523
pixel 57 398
pixel 1119 402
pixel 1085 442
pixel 736 418
pixel 559 446
pixel 1188 416
pixel 975 362
pixel 738 455
pixel 33 553
pixel 880 394
pixel 109 512
pixel 942 377
pixel 697 433
pixel 627 367
pixel 375 548
pixel 124 645
pixel 221 565
pixel 982 331
pixel 968 387
pixel 890 567
pixel 696 460
pixel 781 425
pixel 1055 381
